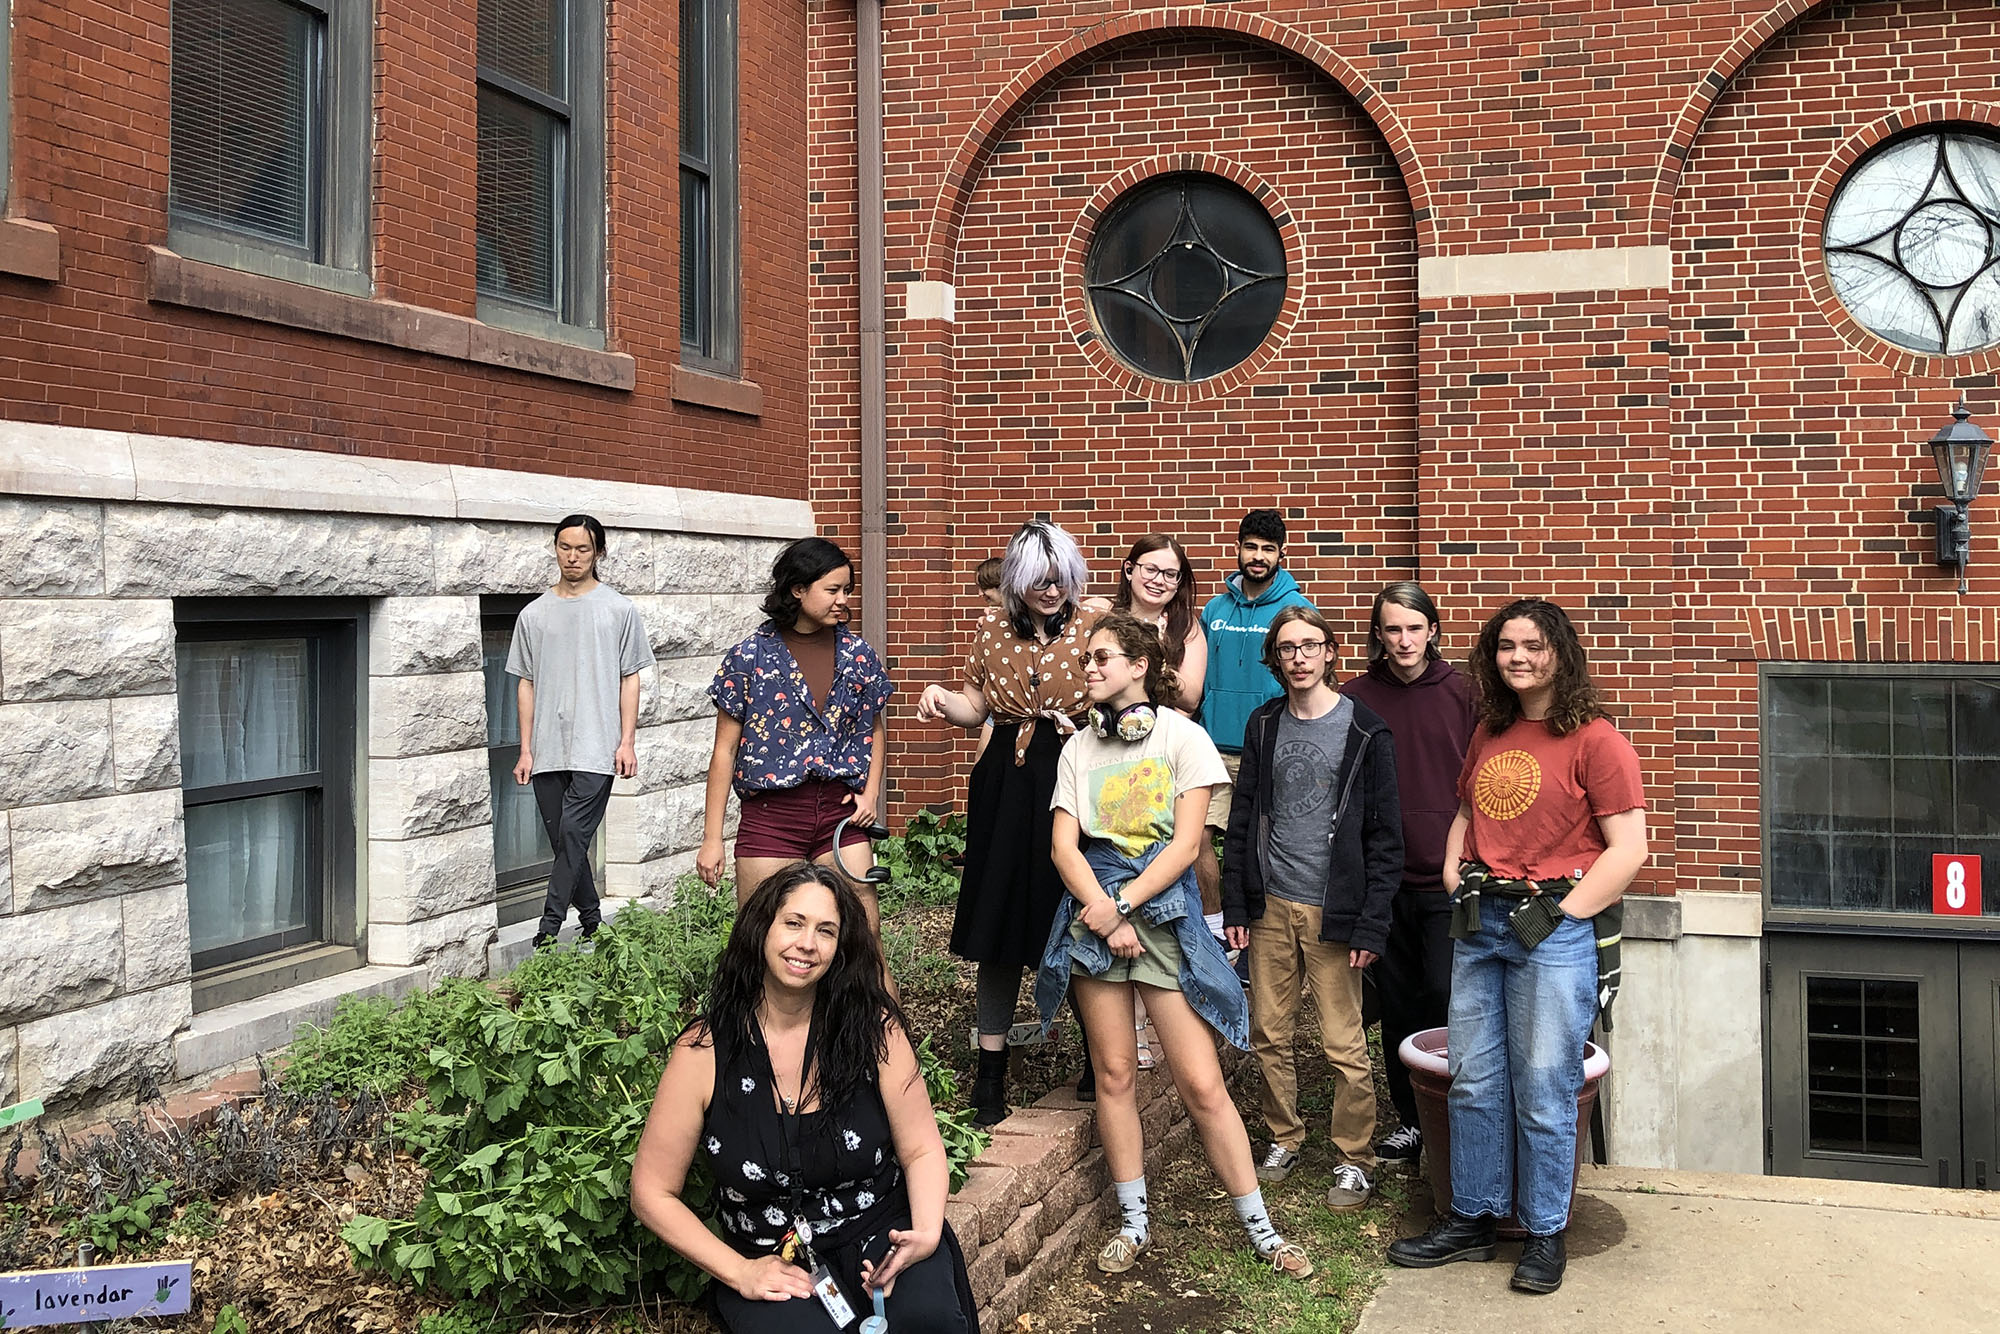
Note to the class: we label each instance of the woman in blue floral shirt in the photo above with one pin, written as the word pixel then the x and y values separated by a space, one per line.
pixel 798 726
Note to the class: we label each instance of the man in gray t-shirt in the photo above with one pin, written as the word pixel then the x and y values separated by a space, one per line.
pixel 578 650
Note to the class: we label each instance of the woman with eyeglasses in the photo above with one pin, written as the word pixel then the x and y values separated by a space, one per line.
pixel 1131 799
pixel 1025 671
pixel 1157 586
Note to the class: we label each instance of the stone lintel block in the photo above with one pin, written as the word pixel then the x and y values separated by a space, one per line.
pixel 490 493
pixel 77 850
pixel 698 625
pixel 422 636
pixel 454 936
pixel 10 1077
pixel 146 742
pixel 419 795
pixel 70 1058
pixel 690 563
pixel 649 825
pixel 37 459
pixel 1022 1237
pixel 651 883
pixel 670 755
pixel 56 750
pixel 85 648
pixel 495 557
pixel 177 551
pixel 1066 1133
pixel 59 961
pixel 157 949
pixel 178 470
pixel 50 548
pixel 412 879
pixel 423 715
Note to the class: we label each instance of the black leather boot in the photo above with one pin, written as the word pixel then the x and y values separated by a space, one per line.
pixel 1542 1264
pixel 1450 1238
pixel 989 1089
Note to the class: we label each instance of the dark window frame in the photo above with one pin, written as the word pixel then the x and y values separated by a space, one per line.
pixel 333 942
pixel 578 186
pixel 518 894
pixel 1792 917
pixel 340 165
pixel 714 252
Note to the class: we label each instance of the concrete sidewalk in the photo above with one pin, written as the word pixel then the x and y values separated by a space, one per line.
pixel 1681 1251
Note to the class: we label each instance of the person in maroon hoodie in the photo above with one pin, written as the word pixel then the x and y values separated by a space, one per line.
pixel 1429 708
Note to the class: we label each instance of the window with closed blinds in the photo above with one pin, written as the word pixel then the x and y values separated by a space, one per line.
pixel 710 331
pixel 246 99
pixel 524 115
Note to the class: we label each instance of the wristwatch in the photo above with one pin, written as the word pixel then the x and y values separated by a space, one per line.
pixel 1118 902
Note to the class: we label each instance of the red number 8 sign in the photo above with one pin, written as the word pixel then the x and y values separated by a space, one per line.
pixel 1955 885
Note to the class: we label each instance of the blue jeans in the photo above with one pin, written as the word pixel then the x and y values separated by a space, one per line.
pixel 1519 1021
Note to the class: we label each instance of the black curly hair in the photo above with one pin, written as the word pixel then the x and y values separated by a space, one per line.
pixel 801 564
pixel 852 1010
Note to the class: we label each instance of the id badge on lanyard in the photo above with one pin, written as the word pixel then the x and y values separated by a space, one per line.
pixel 838 1309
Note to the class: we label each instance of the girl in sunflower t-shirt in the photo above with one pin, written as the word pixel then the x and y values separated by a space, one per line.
pixel 1130 799
pixel 1551 810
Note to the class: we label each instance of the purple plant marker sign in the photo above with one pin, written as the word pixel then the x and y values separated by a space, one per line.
pixel 100 1292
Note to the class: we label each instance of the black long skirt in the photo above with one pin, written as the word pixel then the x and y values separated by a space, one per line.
pixel 1007 899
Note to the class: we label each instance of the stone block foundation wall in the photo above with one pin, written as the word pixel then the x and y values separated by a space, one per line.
pixel 94 551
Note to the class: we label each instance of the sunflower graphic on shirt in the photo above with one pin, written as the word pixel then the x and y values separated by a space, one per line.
pixel 1133 803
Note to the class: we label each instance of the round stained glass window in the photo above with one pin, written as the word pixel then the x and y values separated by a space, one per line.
pixel 1186 276
pixel 1912 242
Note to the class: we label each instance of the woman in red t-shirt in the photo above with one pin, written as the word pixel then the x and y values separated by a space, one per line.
pixel 1551 828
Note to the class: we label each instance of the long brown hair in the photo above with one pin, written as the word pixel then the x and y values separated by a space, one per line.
pixel 1181 611
pixel 1573 700
pixel 1310 615
pixel 1136 639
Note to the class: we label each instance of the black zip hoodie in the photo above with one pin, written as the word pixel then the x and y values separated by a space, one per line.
pixel 1367 835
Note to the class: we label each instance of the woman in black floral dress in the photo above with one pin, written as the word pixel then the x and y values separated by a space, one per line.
pixel 800 1089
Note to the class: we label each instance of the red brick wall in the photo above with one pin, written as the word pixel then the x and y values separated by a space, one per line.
pixel 1670 463
pixel 90 122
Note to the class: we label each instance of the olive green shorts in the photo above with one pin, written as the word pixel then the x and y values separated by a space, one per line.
pixel 1159 966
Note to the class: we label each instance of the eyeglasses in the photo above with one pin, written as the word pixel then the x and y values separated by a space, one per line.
pixel 1100 656
pixel 1158 574
pixel 1307 649
pixel 1044 585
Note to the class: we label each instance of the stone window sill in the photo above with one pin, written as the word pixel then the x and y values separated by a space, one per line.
pixel 176 280
pixel 30 249
pixel 708 390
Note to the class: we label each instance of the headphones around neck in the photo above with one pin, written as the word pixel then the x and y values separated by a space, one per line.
pixel 1134 722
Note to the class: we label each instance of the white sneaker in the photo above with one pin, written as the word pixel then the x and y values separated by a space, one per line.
pixel 1350 1190
pixel 1277 1164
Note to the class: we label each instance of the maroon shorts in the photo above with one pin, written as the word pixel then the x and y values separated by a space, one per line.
pixel 796 823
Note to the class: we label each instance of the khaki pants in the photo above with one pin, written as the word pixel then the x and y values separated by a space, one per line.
pixel 1286 952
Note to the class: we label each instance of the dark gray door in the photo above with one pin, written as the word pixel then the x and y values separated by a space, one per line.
pixel 1865 1059
pixel 1979 1041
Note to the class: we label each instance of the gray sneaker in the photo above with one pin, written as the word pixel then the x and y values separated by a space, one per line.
pixel 1277 1164
pixel 1350 1190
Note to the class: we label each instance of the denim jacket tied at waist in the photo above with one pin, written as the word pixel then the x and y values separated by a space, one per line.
pixel 1207 980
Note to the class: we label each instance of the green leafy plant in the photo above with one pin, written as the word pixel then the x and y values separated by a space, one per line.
pixel 963 1141
pixel 917 969
pixel 922 861
pixel 467 1318
pixel 197 1220
pixel 374 1043
pixel 229 1320
pixel 126 1224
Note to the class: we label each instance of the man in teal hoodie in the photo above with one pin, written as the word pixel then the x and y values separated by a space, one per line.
pixel 1237 620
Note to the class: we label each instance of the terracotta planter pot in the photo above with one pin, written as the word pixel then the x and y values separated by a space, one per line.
pixel 1430 1077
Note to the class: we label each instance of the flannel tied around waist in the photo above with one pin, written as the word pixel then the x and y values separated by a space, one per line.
pixel 1608 925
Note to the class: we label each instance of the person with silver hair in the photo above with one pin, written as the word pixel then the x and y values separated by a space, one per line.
pixel 1025 671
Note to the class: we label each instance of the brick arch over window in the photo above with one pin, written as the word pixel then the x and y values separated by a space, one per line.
pixel 962 176
pixel 1694 112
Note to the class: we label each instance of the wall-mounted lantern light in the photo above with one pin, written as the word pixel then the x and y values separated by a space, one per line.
pixel 1960 450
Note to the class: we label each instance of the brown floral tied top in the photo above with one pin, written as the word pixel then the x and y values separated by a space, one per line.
pixel 1025 680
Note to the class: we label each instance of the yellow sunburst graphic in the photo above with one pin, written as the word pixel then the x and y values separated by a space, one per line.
pixel 1507 785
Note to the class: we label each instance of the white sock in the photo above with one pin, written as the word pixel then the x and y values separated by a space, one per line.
pixel 1256 1220
pixel 1132 1207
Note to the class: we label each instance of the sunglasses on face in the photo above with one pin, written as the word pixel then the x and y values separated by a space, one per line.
pixel 1101 656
